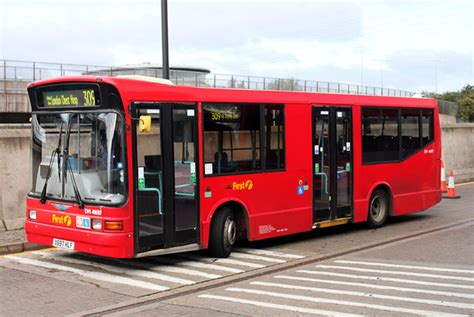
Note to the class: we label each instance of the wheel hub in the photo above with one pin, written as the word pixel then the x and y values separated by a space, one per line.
pixel 230 231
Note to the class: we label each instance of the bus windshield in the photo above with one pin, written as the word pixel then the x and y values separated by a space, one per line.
pixel 82 148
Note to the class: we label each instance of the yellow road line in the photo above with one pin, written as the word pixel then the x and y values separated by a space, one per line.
pixel 462 184
pixel 26 252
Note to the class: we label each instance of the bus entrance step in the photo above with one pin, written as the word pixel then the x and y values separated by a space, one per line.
pixel 331 223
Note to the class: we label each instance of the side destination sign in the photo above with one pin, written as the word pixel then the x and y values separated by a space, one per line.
pixel 70 98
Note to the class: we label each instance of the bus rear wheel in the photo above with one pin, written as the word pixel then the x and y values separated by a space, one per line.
pixel 378 209
pixel 223 233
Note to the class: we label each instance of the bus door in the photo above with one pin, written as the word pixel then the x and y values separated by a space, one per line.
pixel 165 163
pixel 332 163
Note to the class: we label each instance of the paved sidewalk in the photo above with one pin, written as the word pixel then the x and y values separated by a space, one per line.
pixel 14 241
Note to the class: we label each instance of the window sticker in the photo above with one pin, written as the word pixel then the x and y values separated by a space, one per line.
pixel 192 172
pixel 348 146
pixel 153 111
pixel 300 190
pixel 141 177
pixel 208 168
pixel 339 114
pixel 190 112
pixel 316 150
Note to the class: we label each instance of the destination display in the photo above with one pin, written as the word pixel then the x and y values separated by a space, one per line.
pixel 223 115
pixel 87 97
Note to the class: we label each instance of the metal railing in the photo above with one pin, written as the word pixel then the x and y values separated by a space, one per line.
pixel 15 74
pixel 448 107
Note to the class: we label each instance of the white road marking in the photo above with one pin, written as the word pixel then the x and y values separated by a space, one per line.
pixel 424 268
pixel 170 269
pixel 104 277
pixel 341 302
pixel 241 263
pixel 375 286
pixel 128 271
pixel 271 253
pixel 388 279
pixel 240 255
pixel 279 306
pixel 198 263
pixel 369 295
pixel 443 277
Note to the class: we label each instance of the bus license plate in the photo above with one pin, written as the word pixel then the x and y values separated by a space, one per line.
pixel 63 244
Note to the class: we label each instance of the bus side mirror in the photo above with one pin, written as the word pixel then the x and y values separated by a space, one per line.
pixel 144 124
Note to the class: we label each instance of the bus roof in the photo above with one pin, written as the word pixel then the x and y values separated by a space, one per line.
pixel 141 89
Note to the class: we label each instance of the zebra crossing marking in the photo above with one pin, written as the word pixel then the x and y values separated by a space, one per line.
pixel 128 271
pixel 424 268
pixel 241 263
pixel 349 268
pixel 200 264
pixel 369 295
pixel 241 255
pixel 342 302
pixel 123 271
pixel 279 306
pixel 100 276
pixel 388 279
pixel 376 286
pixel 272 253
pixel 169 269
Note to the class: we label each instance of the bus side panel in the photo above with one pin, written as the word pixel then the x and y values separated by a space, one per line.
pixel 414 182
pixel 274 206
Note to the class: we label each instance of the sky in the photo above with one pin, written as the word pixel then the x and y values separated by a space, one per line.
pixel 414 45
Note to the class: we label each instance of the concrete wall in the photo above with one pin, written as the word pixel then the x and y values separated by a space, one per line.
pixel 457 142
pixel 14 97
pixel 15 171
pixel 458 150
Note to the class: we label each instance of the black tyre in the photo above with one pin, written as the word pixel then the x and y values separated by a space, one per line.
pixel 223 233
pixel 379 206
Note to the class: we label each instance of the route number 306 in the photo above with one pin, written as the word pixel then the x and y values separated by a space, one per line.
pixel 89 98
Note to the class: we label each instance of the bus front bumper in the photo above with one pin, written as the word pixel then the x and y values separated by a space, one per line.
pixel 115 245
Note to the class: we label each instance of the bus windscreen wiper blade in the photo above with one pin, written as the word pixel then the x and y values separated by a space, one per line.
pixel 55 152
pixel 80 202
pixel 68 166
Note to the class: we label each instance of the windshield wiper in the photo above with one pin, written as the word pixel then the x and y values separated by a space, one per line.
pixel 68 166
pixel 80 202
pixel 48 174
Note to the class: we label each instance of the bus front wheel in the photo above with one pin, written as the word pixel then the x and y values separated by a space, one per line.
pixel 223 233
pixel 378 209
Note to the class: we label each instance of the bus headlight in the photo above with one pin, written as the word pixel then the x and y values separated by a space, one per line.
pixel 97 224
pixel 32 214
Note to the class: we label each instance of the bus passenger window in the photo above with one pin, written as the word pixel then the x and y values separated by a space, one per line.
pixel 274 137
pixel 410 131
pixel 380 139
pixel 231 138
pixel 427 126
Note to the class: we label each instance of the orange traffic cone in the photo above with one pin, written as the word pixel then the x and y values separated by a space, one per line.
pixel 451 188
pixel 444 188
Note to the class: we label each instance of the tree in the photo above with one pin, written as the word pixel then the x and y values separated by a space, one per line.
pixel 464 98
pixel 466 103
pixel 284 84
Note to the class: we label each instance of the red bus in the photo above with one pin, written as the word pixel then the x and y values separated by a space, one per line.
pixel 135 166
